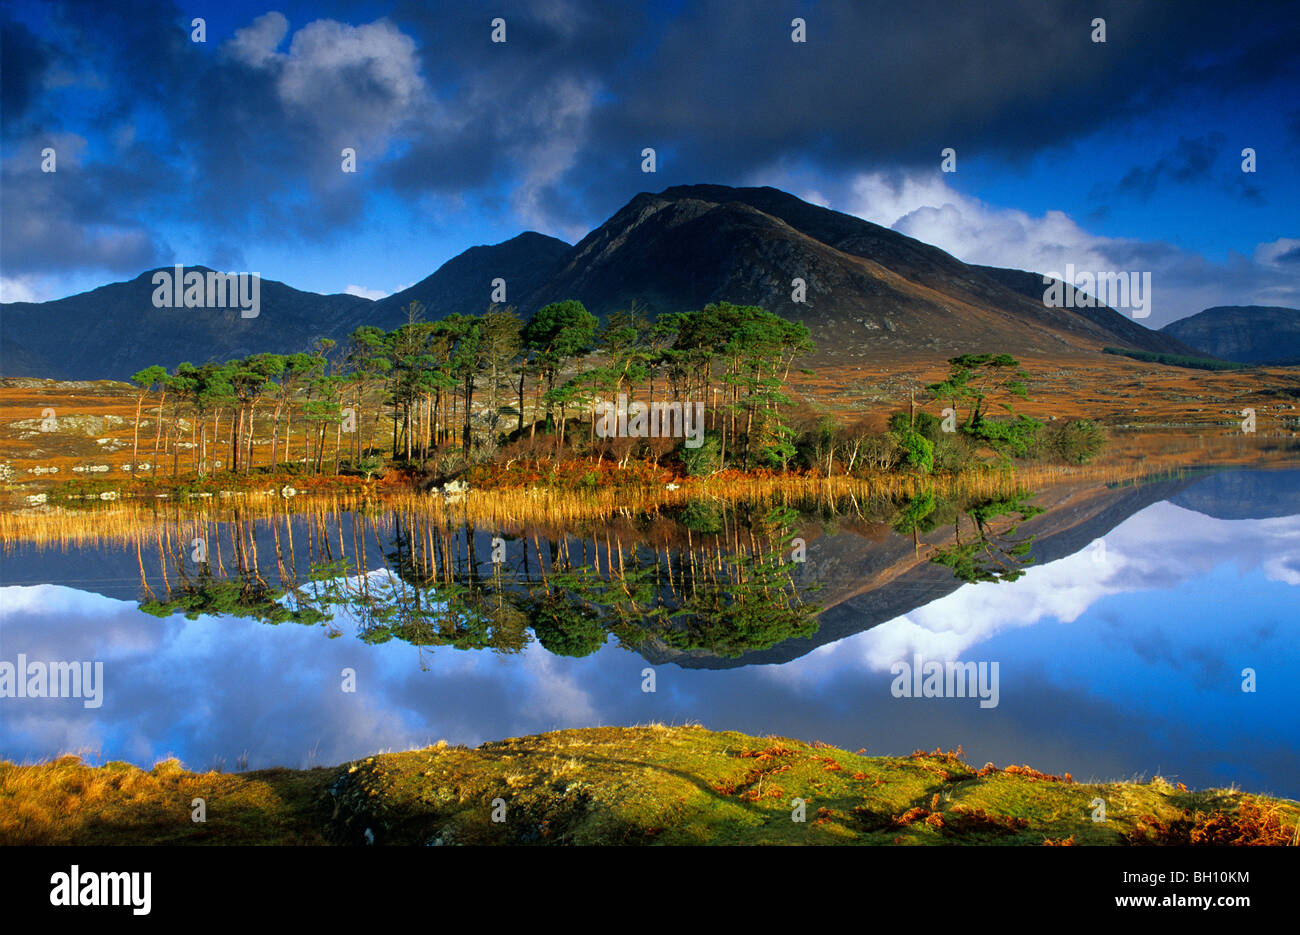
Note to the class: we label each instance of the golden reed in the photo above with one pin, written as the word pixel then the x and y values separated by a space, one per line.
pixel 131 520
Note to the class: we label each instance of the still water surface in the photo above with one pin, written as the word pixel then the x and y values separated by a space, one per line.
pixel 1120 649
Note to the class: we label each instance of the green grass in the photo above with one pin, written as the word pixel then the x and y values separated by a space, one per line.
pixel 662 785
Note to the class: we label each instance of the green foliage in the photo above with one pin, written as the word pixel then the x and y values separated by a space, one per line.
pixel 995 554
pixel 974 381
pixel 704 460
pixel 149 377
pixel 923 423
pixel 566 628
pixel 701 516
pixel 974 378
pixel 249 597
pixel 1176 360
pixel 917 450
pixel 916 514
pixel 1077 441
pixel 1015 437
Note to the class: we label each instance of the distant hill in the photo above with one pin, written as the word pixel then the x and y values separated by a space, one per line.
pixel 872 294
pixel 114 331
pixel 463 285
pixel 1249 334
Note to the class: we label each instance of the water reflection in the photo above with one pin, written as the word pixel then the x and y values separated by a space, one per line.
pixel 1114 664
pixel 713 578
pixel 718 577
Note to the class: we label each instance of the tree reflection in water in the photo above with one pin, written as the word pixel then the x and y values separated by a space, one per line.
pixel 714 576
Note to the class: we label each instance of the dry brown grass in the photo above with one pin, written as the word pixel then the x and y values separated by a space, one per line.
pixel 1254 823
pixel 513 509
pixel 66 802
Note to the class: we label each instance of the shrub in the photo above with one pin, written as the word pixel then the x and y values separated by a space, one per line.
pixel 950 453
pixel 923 423
pixel 1251 824
pixel 879 453
pixel 705 459
pixel 917 450
pixel 1009 438
pixel 1077 441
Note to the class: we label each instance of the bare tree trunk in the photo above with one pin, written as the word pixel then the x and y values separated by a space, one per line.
pixel 248 462
pixel 135 436
pixel 158 434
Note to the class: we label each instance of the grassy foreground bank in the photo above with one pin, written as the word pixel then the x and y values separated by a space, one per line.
pixel 643 785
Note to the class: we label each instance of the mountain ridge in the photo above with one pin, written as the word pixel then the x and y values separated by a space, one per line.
pixel 870 292
pixel 1247 334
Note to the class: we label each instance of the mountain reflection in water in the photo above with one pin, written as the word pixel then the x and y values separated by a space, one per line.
pixel 1163 617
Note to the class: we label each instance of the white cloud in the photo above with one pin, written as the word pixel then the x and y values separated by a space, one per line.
pixel 922 205
pixel 365 293
pixel 374 294
pixel 256 44
pixel 1158 548
pixel 559 119
pixel 21 289
pixel 356 84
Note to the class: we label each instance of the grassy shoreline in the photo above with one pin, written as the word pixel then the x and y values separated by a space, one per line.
pixel 67 524
pixel 637 785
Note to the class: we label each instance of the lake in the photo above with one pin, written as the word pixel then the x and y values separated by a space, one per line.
pixel 1119 630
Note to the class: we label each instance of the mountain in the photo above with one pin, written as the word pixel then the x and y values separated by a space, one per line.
pixel 866 581
pixel 115 330
pixel 1249 334
pixel 1244 494
pixel 1031 285
pixel 463 285
pixel 871 292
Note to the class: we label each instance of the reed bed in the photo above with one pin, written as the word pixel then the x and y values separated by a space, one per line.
pixel 131 520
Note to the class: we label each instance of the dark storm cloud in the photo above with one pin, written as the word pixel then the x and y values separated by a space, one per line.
pixel 1189 161
pixel 720 90
pixel 884 82
pixel 80 215
pixel 245 135
pixel 25 60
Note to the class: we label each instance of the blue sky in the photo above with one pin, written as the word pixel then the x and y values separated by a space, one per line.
pixel 1122 155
